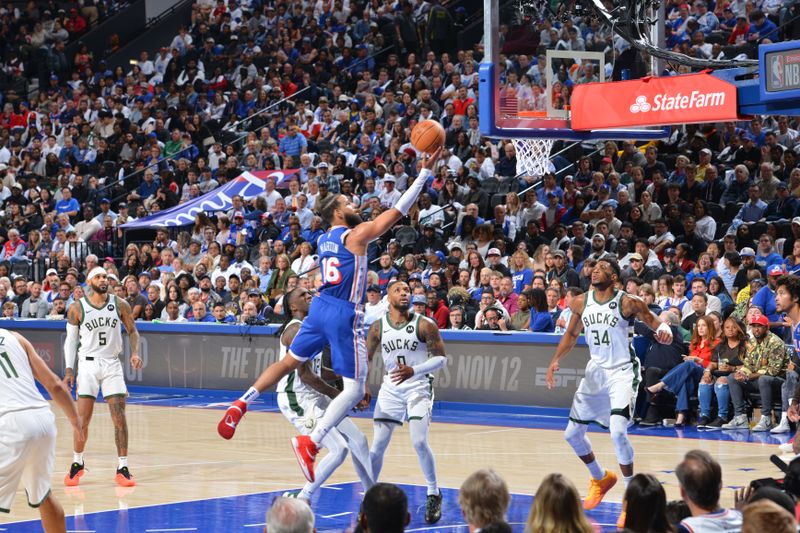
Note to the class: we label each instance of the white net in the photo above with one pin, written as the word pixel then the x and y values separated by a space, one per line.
pixel 533 156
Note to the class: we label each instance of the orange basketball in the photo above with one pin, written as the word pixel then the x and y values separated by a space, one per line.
pixel 427 136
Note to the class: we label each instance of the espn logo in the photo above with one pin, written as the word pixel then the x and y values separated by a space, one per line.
pixel 565 377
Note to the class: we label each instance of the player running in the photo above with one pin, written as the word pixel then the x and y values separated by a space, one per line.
pixel 303 397
pixel 412 350
pixel 28 428
pixel 608 389
pixel 335 317
pixel 94 336
pixel 787 301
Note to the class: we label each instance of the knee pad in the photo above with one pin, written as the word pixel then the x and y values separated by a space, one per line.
pixel 619 436
pixel 575 435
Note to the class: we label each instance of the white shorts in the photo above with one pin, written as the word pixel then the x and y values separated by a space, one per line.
pixel 101 374
pixel 605 391
pixel 302 410
pixel 396 405
pixel 27 454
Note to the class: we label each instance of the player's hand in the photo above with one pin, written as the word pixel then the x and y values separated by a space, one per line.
pixel 794 412
pixel 69 379
pixel 363 405
pixel 551 378
pixel 136 362
pixel 664 336
pixel 402 373
pixel 429 161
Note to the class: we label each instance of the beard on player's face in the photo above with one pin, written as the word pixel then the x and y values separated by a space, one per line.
pixel 352 219
pixel 401 306
pixel 602 284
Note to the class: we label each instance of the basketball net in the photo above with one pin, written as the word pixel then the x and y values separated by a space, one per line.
pixel 533 156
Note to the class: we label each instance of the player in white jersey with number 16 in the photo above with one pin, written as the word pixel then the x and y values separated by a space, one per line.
pixel 606 393
pixel 28 428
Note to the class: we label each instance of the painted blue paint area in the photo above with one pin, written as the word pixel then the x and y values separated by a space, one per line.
pixel 518 416
pixel 335 509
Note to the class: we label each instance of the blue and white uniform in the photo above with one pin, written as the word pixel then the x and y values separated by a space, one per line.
pixel 336 316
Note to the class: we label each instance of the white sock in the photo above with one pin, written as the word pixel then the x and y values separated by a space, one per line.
pixel 626 480
pixel 251 394
pixel 77 457
pixel 596 470
pixel 123 462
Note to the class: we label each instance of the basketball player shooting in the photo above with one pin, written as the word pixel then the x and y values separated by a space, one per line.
pixel 335 317
pixel 28 428
pixel 412 350
pixel 608 389
pixel 94 337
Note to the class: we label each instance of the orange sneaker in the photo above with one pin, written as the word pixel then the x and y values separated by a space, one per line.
pixel 598 488
pixel 124 477
pixel 621 520
pixel 73 477
pixel 227 426
pixel 306 452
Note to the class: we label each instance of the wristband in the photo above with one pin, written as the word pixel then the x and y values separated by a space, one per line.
pixel 410 196
pixel 71 345
pixel 664 328
pixel 432 364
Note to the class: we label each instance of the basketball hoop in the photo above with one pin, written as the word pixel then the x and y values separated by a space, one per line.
pixel 533 156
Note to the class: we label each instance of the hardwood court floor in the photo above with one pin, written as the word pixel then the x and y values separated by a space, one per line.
pixel 177 456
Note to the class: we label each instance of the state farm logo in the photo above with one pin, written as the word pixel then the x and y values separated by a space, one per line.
pixel 666 102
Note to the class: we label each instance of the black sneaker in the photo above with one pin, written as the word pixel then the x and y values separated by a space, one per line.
pixel 433 508
pixel 76 470
pixel 650 422
pixel 703 422
pixel 124 477
pixel 716 424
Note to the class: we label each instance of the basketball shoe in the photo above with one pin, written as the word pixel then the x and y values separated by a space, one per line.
pixel 306 452
pixel 598 488
pixel 73 477
pixel 227 426
pixel 433 508
pixel 124 477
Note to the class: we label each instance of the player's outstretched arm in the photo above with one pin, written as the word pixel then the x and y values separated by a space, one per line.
pixel 71 343
pixel 126 315
pixel 633 306
pixel 55 387
pixel 429 333
pixel 568 340
pixel 367 232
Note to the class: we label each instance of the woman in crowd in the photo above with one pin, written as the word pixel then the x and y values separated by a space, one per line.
pixel 640 226
pixel 645 506
pixel 650 210
pixel 705 225
pixel 522 274
pixel 683 379
pixel 557 508
pixel 539 258
pixel 716 287
pixel 484 238
pixel 305 261
pixel 726 359
pixel 475 264
pixel 280 276
pixel 665 294
pixel 704 269
pixel 541 319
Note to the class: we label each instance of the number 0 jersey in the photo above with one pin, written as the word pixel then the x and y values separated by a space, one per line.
pixel 344 274
pixel 100 333
pixel 403 345
pixel 606 330
pixel 18 390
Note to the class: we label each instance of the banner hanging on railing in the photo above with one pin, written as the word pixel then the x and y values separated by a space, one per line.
pixel 248 185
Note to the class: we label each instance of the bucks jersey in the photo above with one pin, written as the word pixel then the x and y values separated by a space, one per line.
pixel 100 331
pixel 18 390
pixel 403 345
pixel 291 384
pixel 606 330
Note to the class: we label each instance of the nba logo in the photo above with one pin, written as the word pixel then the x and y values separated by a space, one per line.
pixel 776 72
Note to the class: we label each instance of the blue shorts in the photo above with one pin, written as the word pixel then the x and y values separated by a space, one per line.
pixel 340 324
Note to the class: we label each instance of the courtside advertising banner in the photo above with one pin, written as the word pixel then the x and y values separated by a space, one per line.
pixel 686 99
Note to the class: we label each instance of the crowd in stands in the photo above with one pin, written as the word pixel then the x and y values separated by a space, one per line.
pixel 484 500
pixel 702 223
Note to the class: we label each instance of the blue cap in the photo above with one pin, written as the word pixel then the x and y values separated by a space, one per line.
pixel 415 276
pixel 777 270
pixel 440 255
pixel 105 201
pixel 419 299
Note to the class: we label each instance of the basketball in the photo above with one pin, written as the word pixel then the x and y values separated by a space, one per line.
pixel 427 136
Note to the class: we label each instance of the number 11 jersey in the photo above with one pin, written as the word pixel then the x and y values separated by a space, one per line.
pixel 606 330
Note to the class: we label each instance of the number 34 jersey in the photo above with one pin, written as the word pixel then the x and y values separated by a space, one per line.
pixel 403 346
pixel 100 332
pixel 606 330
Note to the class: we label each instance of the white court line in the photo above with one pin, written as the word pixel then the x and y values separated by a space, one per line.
pixel 493 431
pixel 337 514
pixel 172 529
pixel 255 525
pixel 77 530
pixel 332 488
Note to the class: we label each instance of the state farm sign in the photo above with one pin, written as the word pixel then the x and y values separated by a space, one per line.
pixel 692 98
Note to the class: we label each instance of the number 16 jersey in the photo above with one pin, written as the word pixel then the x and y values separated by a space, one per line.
pixel 606 330
pixel 344 274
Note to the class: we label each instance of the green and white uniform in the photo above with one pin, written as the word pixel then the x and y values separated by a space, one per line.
pixel 612 374
pixel 412 399
pixel 298 402
pixel 27 428
pixel 99 350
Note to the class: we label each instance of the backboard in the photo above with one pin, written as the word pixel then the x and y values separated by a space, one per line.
pixel 529 84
